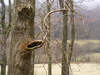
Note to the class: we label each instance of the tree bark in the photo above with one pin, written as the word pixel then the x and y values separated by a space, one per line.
pixel 48 41
pixel 10 16
pixel 21 34
pixel 72 29
pixel 3 41
pixel 65 65
pixel 33 53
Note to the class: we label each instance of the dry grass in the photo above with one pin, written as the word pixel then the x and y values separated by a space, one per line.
pixel 77 69
pixel 84 42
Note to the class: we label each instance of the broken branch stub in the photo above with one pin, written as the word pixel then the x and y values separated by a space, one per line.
pixel 35 44
pixel 28 46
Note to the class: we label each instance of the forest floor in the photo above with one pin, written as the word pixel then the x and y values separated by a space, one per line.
pixel 76 69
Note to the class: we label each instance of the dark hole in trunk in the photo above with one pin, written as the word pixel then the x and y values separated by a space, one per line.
pixel 25 14
pixel 34 44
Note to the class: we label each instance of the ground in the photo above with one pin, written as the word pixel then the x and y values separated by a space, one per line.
pixel 76 69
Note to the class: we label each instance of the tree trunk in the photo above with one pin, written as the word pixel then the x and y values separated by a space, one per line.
pixel 33 53
pixel 10 17
pixel 48 41
pixel 21 35
pixel 72 29
pixel 65 65
pixel 3 69
pixel 3 39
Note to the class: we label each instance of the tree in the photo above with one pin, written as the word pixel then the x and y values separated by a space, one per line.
pixel 33 53
pixel 3 41
pixel 48 40
pixel 67 54
pixel 65 66
pixel 72 30
pixel 21 38
pixel 10 17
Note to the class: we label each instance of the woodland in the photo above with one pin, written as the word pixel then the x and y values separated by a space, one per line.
pixel 47 32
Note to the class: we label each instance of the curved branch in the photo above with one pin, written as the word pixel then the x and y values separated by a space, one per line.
pixel 48 14
pixel 45 18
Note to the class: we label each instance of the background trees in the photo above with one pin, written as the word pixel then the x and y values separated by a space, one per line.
pixel 60 28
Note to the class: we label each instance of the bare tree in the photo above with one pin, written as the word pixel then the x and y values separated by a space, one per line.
pixel 33 53
pixel 48 40
pixel 65 66
pixel 3 41
pixel 10 16
pixel 72 29
pixel 22 35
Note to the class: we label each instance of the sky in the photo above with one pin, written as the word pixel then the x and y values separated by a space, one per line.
pixel 92 4
pixel 89 5
pixel 7 1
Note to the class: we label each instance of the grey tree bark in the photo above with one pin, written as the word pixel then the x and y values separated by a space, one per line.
pixel 65 65
pixel 10 16
pixel 72 29
pixel 33 53
pixel 48 40
pixel 19 62
pixel 3 41
pixel 67 54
